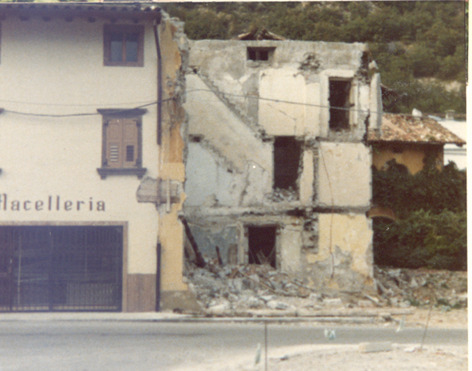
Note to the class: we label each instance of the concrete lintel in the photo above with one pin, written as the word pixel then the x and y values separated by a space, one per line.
pixel 272 210
pixel 325 209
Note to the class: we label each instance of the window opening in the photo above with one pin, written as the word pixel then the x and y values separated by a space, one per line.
pixel 123 45
pixel 261 241
pixel 339 102
pixel 259 54
pixel 122 142
pixel 287 151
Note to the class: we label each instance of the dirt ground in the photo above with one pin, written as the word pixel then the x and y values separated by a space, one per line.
pixel 456 318
pixel 351 358
pixel 401 357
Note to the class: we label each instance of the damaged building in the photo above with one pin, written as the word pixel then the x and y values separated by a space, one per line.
pixel 278 170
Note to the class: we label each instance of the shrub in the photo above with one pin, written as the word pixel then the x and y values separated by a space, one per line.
pixel 423 239
pixel 431 230
pixel 430 189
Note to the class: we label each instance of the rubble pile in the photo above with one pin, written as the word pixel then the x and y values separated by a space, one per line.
pixel 242 288
pixel 249 289
pixel 403 287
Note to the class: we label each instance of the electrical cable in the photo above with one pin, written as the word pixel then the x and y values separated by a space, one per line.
pixel 17 112
pixel 51 115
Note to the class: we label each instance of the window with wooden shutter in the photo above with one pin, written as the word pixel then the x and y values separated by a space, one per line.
pixel 122 142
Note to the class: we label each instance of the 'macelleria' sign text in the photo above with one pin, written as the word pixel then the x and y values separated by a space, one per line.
pixel 51 203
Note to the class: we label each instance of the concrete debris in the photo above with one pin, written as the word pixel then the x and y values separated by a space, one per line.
pixel 249 290
pixel 383 346
pixel 421 287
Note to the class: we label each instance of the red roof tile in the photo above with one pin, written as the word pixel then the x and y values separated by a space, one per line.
pixel 407 128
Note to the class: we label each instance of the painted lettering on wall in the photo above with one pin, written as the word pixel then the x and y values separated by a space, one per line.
pixel 51 203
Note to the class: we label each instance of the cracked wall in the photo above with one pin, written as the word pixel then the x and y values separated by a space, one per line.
pixel 237 108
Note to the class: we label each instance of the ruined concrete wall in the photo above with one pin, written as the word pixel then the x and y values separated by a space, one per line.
pixel 344 257
pixel 237 108
pixel 297 72
pixel 343 176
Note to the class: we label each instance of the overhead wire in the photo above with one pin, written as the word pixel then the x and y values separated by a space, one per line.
pixel 63 115
pixel 78 114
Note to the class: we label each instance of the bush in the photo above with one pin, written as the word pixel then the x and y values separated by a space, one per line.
pixel 423 239
pixel 430 189
pixel 431 229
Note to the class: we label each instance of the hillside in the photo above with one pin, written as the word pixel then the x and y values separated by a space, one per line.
pixel 420 47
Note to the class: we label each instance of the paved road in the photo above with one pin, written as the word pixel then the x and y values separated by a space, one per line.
pixel 84 345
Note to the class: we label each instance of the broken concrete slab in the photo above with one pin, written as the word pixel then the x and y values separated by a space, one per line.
pixel 369 347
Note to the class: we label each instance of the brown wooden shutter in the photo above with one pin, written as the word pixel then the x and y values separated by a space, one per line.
pixel 114 143
pixel 122 143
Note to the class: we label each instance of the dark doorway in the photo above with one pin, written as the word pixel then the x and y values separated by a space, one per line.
pixel 61 268
pixel 339 103
pixel 287 153
pixel 261 241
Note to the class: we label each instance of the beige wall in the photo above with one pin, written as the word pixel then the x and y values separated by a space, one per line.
pixel 280 118
pixel 410 156
pixel 344 173
pixel 345 244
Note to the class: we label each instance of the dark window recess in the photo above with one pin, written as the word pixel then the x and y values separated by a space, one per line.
pixel 339 103
pixel 261 242
pixel 286 162
pixel 259 54
pixel 123 45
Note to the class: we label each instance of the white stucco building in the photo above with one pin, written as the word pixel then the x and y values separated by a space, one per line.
pixel 86 148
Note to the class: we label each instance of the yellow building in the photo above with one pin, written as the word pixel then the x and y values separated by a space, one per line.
pixel 91 157
pixel 409 140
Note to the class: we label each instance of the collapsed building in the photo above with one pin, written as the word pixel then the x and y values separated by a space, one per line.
pixel 278 170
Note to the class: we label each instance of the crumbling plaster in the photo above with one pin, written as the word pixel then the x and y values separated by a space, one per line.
pixel 344 252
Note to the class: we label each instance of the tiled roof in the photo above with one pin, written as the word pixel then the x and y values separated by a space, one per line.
pixel 407 128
